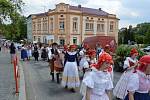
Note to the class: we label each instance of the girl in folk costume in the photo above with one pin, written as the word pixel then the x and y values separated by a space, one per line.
pixel 83 55
pixel 138 87
pixel 129 67
pixel 98 81
pixel 84 62
pixel 70 78
pixel 130 61
pixel 87 68
pixel 92 56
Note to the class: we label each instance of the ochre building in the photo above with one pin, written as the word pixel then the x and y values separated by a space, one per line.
pixel 67 24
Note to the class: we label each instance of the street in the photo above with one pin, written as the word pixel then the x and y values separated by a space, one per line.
pixel 40 87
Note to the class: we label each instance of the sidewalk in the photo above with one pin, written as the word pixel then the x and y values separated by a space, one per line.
pixel 7 82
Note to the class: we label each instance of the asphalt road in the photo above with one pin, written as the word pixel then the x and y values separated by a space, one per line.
pixel 40 87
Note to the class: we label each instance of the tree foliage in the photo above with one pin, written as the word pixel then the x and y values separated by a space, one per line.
pixel 8 8
pixel 140 34
pixel 16 31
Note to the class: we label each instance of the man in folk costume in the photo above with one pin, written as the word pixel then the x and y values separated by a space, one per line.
pixel 52 57
pixel 138 87
pixel 70 78
pixel 129 67
pixel 98 81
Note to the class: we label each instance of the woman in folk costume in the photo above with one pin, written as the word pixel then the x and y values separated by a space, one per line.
pixel 98 81
pixel 129 67
pixel 84 62
pixel 138 87
pixel 24 54
pixel 70 78
pixel 87 68
pixel 29 51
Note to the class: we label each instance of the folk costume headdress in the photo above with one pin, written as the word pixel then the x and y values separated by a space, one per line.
pixel 144 61
pixel 133 51
pixel 104 57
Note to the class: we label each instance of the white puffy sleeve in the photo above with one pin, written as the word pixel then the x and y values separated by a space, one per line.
pixel 133 83
pixel 49 54
pixel 88 80
pixel 126 63
pixel 86 64
pixel 109 84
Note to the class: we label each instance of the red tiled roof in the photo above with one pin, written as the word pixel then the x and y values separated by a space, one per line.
pixel 89 10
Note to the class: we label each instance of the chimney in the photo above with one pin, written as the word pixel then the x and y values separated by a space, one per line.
pixel 100 9
pixel 79 6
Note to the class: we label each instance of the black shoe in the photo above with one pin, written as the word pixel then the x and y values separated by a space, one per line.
pixel 52 76
pixel 57 75
pixel 66 87
pixel 73 90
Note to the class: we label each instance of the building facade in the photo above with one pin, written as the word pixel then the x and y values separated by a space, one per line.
pixel 68 24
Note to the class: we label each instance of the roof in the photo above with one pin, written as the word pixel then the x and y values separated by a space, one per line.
pixel 89 10
pixel 41 14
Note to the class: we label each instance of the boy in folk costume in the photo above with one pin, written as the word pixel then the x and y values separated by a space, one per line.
pixel 129 67
pixel 138 87
pixel 70 78
pixel 98 81
pixel 53 54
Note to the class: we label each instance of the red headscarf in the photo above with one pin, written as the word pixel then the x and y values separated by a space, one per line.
pixel 133 51
pixel 104 57
pixel 85 46
pixel 73 46
pixel 144 61
pixel 65 47
pixel 92 52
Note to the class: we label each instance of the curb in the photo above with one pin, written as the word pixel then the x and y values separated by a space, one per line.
pixel 22 91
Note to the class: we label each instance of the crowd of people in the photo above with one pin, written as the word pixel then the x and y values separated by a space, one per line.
pixel 97 68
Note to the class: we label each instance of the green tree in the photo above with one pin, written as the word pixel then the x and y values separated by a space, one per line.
pixel 8 8
pixel 147 38
pixel 139 39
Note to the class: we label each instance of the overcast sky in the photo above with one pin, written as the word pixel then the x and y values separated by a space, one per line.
pixel 130 12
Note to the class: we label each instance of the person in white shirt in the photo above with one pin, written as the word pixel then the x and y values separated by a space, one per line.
pixel 98 81
pixel 129 67
pixel 138 86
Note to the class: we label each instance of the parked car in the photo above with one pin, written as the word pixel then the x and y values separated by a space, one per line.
pixel 147 49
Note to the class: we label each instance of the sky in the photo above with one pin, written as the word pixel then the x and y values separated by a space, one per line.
pixel 130 12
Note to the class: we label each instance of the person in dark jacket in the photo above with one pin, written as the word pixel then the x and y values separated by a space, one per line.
pixel 44 54
pixel 36 53
pixel 12 51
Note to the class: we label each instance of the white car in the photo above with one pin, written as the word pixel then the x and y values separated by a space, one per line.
pixel 147 49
